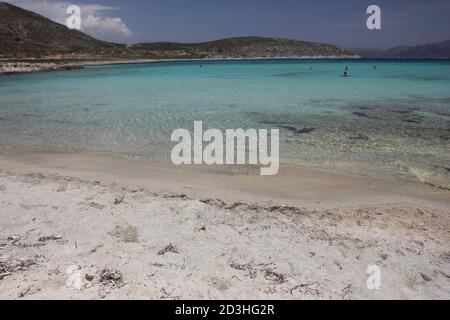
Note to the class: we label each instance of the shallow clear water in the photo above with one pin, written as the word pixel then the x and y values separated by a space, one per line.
pixel 394 119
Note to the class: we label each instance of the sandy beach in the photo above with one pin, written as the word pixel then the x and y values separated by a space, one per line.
pixel 224 151
pixel 140 230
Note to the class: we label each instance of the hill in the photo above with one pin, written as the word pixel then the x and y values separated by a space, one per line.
pixel 24 34
pixel 440 50
pixel 27 34
pixel 243 47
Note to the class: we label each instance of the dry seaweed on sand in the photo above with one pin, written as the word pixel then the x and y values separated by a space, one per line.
pixel 119 200
pixel 8 267
pixel 170 248
pixel 112 278
pixel 306 288
pixel 275 277
pixel 50 238
pixel 249 267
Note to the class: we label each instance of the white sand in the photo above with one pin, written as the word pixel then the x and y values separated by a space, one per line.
pixel 222 251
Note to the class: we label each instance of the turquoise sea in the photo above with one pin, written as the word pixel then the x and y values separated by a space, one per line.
pixel 392 119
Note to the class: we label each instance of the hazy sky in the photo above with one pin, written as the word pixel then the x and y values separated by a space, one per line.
pixel 342 22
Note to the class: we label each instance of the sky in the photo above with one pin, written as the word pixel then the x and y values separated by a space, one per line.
pixel 340 22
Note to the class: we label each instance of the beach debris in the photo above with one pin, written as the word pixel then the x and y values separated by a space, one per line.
pixel 166 296
pixel 62 188
pixel 252 207
pixel 157 265
pixel 4 274
pixel 176 196
pixel 8 267
pixel 24 292
pixel 214 202
pixel 111 278
pixel 89 277
pixel 346 292
pixel 170 248
pixel 235 205
pixel 275 277
pixel 14 239
pixel 200 228
pixel 49 238
pixel 426 278
pixel 249 267
pixel 119 199
pixel 285 209
pixel 306 288
pixel 338 264
pixel 96 248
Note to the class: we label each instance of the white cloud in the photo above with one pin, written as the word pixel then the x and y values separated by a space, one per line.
pixel 103 25
pixel 96 20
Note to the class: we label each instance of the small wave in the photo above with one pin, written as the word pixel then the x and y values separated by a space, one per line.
pixel 437 176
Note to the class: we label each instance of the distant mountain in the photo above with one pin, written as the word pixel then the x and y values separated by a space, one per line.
pixel 440 50
pixel 27 34
pixel 244 47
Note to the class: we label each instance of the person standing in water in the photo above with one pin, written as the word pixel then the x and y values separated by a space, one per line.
pixel 346 72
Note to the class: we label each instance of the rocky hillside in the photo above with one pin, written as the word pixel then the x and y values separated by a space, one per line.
pixel 27 34
pixel 244 47
pixel 24 34
pixel 440 50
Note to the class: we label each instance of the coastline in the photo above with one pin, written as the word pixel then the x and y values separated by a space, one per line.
pixel 10 67
pixel 136 229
